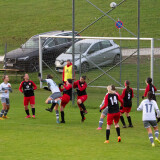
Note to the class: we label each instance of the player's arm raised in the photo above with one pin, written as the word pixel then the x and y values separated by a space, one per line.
pixel 40 78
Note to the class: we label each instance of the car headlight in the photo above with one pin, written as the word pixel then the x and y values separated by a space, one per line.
pixel 23 58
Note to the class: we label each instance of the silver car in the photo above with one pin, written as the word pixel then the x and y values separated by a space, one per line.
pixel 89 53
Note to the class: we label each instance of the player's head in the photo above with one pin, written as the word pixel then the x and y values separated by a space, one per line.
pixel 26 77
pixel 5 78
pixel 49 76
pixel 126 83
pixel 68 61
pixel 150 95
pixel 149 80
pixel 69 81
pixel 110 89
pixel 113 87
pixel 82 79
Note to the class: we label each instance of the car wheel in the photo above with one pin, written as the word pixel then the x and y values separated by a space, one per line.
pixel 116 59
pixel 84 67
pixel 33 65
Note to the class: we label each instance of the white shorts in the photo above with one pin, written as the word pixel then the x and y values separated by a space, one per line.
pixel 5 100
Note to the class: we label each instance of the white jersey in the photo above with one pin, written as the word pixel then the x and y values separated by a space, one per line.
pixel 3 87
pixel 52 85
pixel 148 108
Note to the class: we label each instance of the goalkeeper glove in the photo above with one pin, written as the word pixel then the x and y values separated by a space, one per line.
pixel 100 110
pixel 142 97
pixel 60 85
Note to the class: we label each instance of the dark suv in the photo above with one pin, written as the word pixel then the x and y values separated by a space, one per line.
pixel 27 56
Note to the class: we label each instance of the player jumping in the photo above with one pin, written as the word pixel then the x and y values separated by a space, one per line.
pixel 111 100
pixel 27 87
pixel 127 96
pixel 149 106
pixel 81 86
pixel 67 94
pixel 55 94
pixel 5 88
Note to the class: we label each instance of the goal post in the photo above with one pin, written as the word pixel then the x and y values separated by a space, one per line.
pixel 100 38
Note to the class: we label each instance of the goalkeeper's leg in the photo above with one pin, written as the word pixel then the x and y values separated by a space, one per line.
pixel 57 113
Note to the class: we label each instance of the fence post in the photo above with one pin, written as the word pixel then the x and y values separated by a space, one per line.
pixel 40 59
pixel 152 59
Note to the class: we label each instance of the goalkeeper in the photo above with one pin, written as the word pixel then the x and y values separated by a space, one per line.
pixel 55 94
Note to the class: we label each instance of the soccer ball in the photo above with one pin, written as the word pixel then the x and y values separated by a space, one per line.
pixel 113 5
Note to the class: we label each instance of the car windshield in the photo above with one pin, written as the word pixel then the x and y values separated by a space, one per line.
pixel 32 43
pixel 79 48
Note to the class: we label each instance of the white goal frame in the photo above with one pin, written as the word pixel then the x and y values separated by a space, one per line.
pixel 108 38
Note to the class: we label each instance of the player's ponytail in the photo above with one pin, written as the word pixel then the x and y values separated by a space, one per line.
pixel 150 95
pixel 127 83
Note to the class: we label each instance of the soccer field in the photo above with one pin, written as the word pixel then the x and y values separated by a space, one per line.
pixel 43 139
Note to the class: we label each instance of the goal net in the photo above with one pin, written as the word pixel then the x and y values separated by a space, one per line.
pixel 104 60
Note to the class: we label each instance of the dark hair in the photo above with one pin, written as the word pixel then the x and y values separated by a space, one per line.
pixel 127 83
pixel 150 95
pixel 149 80
pixel 49 76
pixel 113 87
pixel 69 80
pixel 84 77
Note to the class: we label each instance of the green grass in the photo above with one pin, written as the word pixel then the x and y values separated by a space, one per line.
pixel 21 19
pixel 42 138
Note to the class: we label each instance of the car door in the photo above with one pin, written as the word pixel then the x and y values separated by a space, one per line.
pixel 62 45
pixel 107 51
pixel 94 54
pixel 49 50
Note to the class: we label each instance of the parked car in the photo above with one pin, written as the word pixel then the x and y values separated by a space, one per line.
pixel 27 56
pixel 89 51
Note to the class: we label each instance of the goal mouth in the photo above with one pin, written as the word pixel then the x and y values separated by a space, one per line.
pixel 104 69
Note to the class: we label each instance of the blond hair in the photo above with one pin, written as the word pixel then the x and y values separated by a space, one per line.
pixel 110 89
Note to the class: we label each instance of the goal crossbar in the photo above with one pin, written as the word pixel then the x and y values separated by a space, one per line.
pixel 107 38
pixel 85 37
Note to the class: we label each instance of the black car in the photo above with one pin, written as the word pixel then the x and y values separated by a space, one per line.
pixel 27 56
